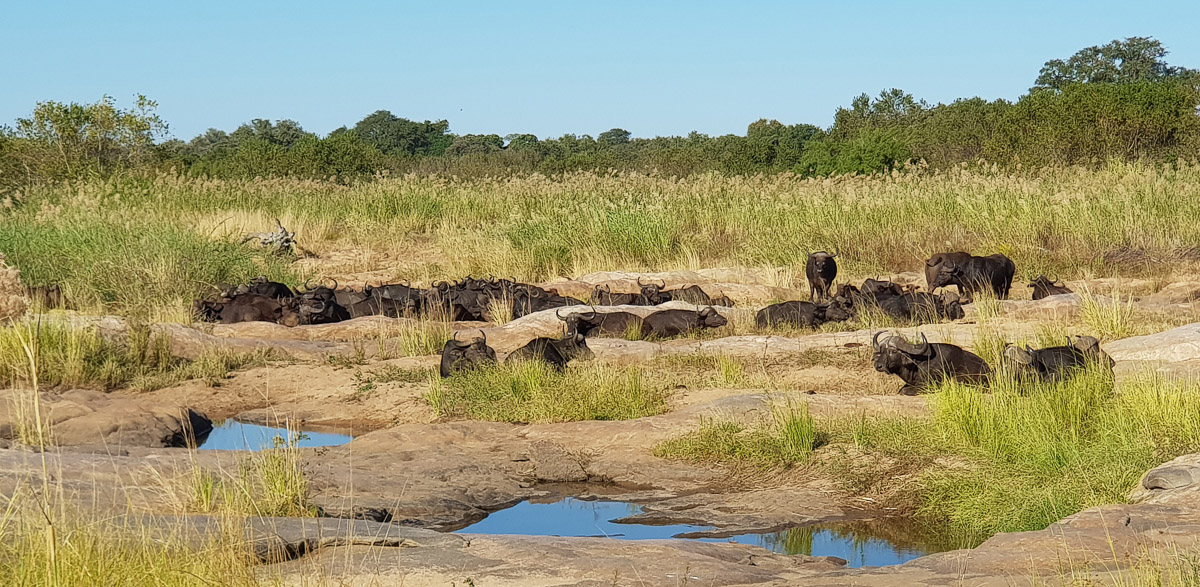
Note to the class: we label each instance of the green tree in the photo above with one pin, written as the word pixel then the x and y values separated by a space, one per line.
pixel 61 140
pixel 475 144
pixel 1136 59
pixel 613 137
pixel 394 135
pixel 284 133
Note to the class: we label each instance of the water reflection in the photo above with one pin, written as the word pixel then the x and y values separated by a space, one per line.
pixel 234 435
pixel 860 544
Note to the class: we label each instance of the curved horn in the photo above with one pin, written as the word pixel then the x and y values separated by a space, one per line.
pixel 911 349
pixel 307 286
pixel 591 312
pixel 664 284
pixel 558 314
pixel 484 335
pixel 335 283
pixel 639 282
pixel 836 252
pixel 807 252
pixel 1014 353
pixel 875 340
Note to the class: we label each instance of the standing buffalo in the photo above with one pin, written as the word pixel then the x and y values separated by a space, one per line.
pixel 556 352
pixel 925 364
pixel 820 270
pixel 460 356
pixel 1043 287
pixel 1060 362
pixel 669 323
pixel 970 273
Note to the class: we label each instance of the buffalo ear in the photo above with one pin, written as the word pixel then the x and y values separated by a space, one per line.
pixel 1018 354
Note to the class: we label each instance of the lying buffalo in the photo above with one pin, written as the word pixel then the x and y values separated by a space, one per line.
pixel 806 314
pixel 1044 288
pixel 1060 362
pixel 49 297
pixel 593 323
pixel 922 307
pixel 651 294
pixel 273 289
pixel 460 356
pixel 248 308
pixel 603 296
pixel 319 305
pixel 926 364
pixel 970 273
pixel 671 323
pixel 820 270
pixel 693 294
pixel 556 352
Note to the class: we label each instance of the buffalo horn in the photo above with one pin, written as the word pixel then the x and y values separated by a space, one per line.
pixel 1017 354
pixel 911 349
pixel 835 253
pixel 875 340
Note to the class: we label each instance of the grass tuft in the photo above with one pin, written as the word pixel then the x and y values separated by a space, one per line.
pixel 535 392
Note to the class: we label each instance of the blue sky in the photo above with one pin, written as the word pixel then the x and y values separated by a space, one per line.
pixel 548 68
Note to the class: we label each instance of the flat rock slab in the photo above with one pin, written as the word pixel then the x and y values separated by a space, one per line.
pixel 85 417
pixel 545 561
pixel 276 540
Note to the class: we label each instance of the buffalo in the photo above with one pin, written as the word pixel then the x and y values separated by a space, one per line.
pixel 692 294
pixel 925 364
pixel 46 296
pixel 651 294
pixel 460 356
pixel 820 270
pixel 248 308
pixel 1043 287
pixel 273 289
pixel 620 324
pixel 805 314
pixel 556 352
pixel 970 273
pixel 1060 362
pixel 319 305
pixel 603 295
pixel 921 307
pixel 669 323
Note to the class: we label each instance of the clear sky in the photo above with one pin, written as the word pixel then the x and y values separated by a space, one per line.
pixel 548 68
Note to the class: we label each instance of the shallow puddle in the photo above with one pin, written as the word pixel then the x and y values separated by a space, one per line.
pixel 860 544
pixel 234 435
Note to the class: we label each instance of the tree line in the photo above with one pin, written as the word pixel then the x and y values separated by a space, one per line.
pixel 1121 100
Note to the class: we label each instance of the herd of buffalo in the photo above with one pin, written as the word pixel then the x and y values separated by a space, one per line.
pixel 474 299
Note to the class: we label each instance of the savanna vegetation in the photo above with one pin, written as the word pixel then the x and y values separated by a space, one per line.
pixel 1121 100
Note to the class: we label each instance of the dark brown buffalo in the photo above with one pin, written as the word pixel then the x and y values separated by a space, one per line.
pixel 611 324
pixel 557 352
pixel 926 364
pixel 459 355
pixel 970 273
pixel 671 323
pixel 1060 362
pixel 1043 287
pixel 821 270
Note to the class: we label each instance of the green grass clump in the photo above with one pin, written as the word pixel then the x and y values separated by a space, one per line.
pixel 1030 454
pixel 106 262
pixel 71 356
pixel 788 439
pixel 535 392
pixel 137 241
